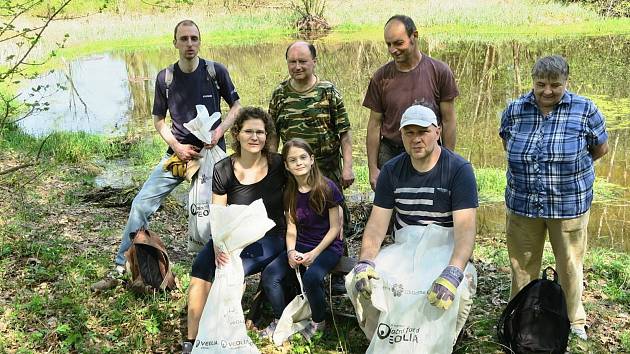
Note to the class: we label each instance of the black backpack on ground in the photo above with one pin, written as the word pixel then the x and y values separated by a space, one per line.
pixel 536 320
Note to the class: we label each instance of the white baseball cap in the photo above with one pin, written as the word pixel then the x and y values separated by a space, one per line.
pixel 418 115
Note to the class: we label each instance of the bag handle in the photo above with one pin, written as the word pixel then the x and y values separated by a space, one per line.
pixel 548 270
pixel 299 278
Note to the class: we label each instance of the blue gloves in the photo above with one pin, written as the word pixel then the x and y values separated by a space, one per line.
pixel 444 287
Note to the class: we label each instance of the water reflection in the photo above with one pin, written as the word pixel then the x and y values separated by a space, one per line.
pixel 96 97
pixel 113 94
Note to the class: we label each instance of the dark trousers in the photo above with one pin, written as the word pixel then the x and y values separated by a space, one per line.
pixel 255 257
pixel 312 278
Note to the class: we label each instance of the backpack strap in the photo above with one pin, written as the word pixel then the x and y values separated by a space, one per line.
pixel 210 68
pixel 212 73
pixel 168 77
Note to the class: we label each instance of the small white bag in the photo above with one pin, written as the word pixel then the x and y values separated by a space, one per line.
pixel 222 324
pixel 399 317
pixel 295 316
pixel 200 194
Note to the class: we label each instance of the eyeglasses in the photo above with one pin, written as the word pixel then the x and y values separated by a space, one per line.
pixel 250 132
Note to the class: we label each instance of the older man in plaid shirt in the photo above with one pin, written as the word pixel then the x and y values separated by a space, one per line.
pixel 551 137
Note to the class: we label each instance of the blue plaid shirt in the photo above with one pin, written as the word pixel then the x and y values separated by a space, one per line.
pixel 550 170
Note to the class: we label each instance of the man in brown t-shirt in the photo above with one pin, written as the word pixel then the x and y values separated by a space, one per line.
pixel 410 78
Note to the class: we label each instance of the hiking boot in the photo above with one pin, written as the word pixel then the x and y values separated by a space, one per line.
pixel 111 280
pixel 579 332
pixel 268 331
pixel 187 347
pixel 312 329
pixel 338 284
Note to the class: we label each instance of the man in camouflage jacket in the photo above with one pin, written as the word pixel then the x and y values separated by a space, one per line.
pixel 312 109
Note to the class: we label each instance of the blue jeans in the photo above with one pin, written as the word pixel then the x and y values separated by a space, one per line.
pixel 156 188
pixel 255 257
pixel 312 278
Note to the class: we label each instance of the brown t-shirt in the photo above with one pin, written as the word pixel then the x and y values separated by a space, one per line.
pixel 391 92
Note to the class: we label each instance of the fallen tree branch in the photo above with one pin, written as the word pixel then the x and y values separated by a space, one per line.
pixel 28 164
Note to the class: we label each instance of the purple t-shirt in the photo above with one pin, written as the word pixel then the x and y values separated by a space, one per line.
pixel 312 227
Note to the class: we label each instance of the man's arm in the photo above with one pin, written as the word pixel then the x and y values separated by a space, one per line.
pixel 227 123
pixel 372 144
pixel 465 229
pixel 374 232
pixel 273 141
pixel 598 151
pixel 185 152
pixel 347 175
pixel 449 124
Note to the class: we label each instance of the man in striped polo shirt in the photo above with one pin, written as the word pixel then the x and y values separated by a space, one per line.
pixel 428 184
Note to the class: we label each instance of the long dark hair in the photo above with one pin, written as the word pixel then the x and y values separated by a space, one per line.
pixel 320 191
pixel 245 114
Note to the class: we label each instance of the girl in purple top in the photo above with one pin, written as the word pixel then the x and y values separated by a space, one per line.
pixel 311 203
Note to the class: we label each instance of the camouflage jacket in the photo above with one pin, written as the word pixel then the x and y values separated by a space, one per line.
pixel 317 116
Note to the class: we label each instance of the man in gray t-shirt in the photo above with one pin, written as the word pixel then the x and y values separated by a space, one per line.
pixel 410 78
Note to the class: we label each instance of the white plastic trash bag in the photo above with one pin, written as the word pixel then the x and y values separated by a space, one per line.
pixel 200 194
pixel 295 316
pixel 406 322
pixel 222 324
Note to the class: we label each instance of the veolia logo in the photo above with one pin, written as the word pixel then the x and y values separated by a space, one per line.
pixel 383 331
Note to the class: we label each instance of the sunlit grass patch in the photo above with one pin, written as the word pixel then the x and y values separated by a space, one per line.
pixel 614 270
pixel 490 184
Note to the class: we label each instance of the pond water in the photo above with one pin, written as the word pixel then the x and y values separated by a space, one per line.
pixel 112 94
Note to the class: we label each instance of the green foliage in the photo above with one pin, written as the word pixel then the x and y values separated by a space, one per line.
pixel 490 184
pixel 614 271
pixel 609 8
pixel 147 151
pixel 361 179
pixel 73 147
pixel 625 340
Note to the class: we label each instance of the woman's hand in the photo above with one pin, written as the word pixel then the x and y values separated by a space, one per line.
pixel 308 258
pixel 293 256
pixel 220 258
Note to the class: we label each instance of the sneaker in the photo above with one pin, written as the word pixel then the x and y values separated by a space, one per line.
pixel 338 285
pixel 579 332
pixel 119 270
pixel 269 330
pixel 312 329
pixel 187 347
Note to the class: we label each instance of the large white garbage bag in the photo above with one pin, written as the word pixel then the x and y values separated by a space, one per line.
pixel 222 324
pixel 200 194
pixel 399 318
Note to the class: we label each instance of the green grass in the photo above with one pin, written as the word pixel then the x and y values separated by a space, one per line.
pixel 147 151
pixel 614 269
pixel 625 340
pixel 140 25
pixel 490 184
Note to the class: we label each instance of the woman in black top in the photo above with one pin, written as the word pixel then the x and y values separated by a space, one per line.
pixel 251 173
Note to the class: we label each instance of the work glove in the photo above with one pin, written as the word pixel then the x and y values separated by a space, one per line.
pixel 176 166
pixel 363 272
pixel 444 287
